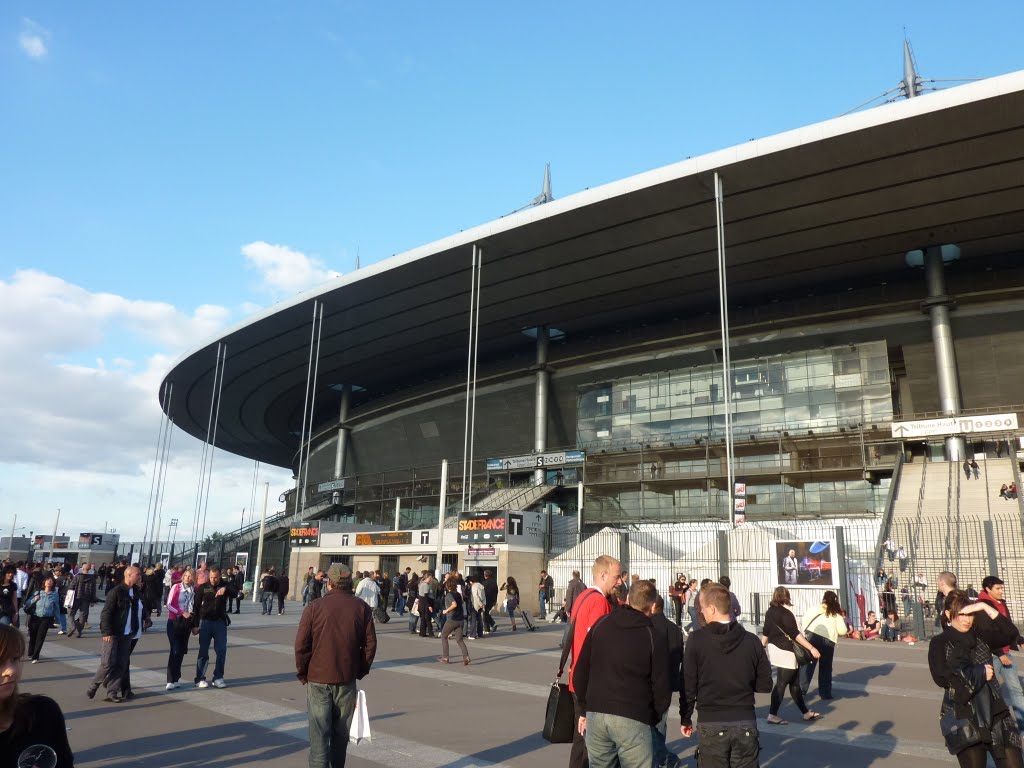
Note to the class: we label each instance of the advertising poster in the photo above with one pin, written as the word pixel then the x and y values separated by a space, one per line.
pixel 804 563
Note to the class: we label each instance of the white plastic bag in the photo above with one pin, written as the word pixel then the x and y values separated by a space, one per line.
pixel 360 729
pixel 69 599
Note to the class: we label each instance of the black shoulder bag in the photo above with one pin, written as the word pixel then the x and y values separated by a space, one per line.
pixel 559 712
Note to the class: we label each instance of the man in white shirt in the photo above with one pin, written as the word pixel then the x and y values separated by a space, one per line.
pixel 368 592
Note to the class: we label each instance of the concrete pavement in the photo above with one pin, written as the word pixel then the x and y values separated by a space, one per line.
pixel 486 714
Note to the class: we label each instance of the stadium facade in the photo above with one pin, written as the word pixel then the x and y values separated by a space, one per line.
pixel 875 277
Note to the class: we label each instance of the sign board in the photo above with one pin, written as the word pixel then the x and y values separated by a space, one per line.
pixel 200 558
pixel 242 563
pixel 304 536
pixel 804 563
pixel 482 527
pixel 481 552
pixel 536 461
pixel 383 537
pixel 740 490
pixel 955 425
pixel 331 485
pixel 87 540
pixel 527 529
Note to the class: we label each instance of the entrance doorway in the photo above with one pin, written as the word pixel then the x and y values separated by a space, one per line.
pixel 388 565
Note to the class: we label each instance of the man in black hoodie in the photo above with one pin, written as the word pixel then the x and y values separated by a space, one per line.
pixel 723 667
pixel 621 683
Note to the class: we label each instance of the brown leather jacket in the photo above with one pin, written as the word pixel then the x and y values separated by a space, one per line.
pixel 336 641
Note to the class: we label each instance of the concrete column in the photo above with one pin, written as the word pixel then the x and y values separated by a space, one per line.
pixel 343 430
pixel 937 305
pixel 540 420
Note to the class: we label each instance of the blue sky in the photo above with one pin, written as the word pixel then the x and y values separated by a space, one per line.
pixel 146 146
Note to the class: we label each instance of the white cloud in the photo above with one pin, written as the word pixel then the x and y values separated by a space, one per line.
pixel 284 271
pixel 33 39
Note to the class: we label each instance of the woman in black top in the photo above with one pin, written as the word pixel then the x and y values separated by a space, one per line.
pixel 26 721
pixel 454 613
pixel 779 636
pixel 8 597
pixel 961 663
pixel 511 590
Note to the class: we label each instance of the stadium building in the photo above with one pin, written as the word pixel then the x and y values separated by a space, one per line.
pixel 573 352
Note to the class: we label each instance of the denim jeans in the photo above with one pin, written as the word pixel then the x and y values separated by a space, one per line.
pixel 216 630
pixel 619 742
pixel 542 598
pixel 889 634
pixel 1009 685
pixel 330 716
pixel 413 620
pixel 660 731
pixel 268 602
pixel 728 746
pixel 477 622
pixel 178 645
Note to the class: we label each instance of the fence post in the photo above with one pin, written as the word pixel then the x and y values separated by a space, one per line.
pixel 990 548
pixel 723 553
pixel 755 601
pixel 840 562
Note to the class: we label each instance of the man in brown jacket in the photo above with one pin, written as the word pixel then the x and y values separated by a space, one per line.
pixel 334 648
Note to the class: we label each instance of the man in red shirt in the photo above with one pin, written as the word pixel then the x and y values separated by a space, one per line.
pixel 590 606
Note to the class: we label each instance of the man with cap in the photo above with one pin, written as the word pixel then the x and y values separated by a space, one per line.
pixel 334 647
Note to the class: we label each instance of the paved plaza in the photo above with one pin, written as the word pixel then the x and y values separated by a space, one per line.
pixel 428 715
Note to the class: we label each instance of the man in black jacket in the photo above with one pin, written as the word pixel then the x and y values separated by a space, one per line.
pixel 672 636
pixel 120 624
pixel 210 622
pixel 723 667
pixel 84 586
pixel 491 591
pixel 620 683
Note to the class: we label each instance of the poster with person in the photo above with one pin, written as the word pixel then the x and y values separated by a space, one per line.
pixel 804 563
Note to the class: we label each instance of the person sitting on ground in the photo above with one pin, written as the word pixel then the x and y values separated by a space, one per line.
pixel 1013 490
pixel 851 631
pixel 1004 491
pixel 872 628
pixel 25 720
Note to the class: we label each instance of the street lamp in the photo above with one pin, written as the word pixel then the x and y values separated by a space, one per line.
pixel 172 525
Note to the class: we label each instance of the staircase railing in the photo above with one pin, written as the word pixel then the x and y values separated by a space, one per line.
pixel 890 504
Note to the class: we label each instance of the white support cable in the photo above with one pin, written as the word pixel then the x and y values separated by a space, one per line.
pixel 312 406
pixel 305 407
pixel 206 446
pixel 164 394
pixel 723 295
pixel 252 494
pixel 154 527
pixel 213 443
pixel 163 479
pixel 476 347
pixel 469 371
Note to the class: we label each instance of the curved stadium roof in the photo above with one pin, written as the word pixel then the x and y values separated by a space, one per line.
pixel 851 196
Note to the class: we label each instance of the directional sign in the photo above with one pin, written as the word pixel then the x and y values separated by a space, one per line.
pixel 331 485
pixel 536 461
pixel 955 425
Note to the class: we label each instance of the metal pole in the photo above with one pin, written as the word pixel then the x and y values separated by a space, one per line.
pixel 476 346
pixel 53 541
pixel 938 305
pixel 442 503
pixel 305 408
pixel 723 295
pixel 469 372
pixel 10 543
pixel 579 511
pixel 540 408
pixel 206 447
pixel 263 528
pixel 398 510
pixel 312 408
pixel 213 442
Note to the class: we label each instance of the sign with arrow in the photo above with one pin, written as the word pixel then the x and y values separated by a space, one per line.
pixel 955 425
pixel 536 461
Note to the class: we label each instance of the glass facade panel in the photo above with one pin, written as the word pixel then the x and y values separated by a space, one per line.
pixel 821 390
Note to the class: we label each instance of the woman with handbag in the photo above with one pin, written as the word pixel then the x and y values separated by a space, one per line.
pixel 179 625
pixel 783 640
pixel 974 719
pixel 823 626
pixel 511 590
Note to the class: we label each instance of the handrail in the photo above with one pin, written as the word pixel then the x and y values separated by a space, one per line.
pixel 890 504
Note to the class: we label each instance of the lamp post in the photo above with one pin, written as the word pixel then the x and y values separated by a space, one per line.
pixel 172 525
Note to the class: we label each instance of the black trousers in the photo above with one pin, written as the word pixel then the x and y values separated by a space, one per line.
pixel 578 757
pixel 728 747
pixel 280 603
pixel 38 626
pixel 828 651
pixel 787 678
pixel 977 757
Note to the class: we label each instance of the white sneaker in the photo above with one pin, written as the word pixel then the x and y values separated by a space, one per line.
pixel 170 687
pixel 35 661
pixel 61 632
pixel 202 684
pixel 219 683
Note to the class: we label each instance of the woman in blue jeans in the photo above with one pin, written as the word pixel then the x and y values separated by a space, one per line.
pixel 44 610
pixel 179 603
pixel 823 626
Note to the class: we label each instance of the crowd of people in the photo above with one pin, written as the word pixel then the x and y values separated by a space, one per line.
pixel 630 651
